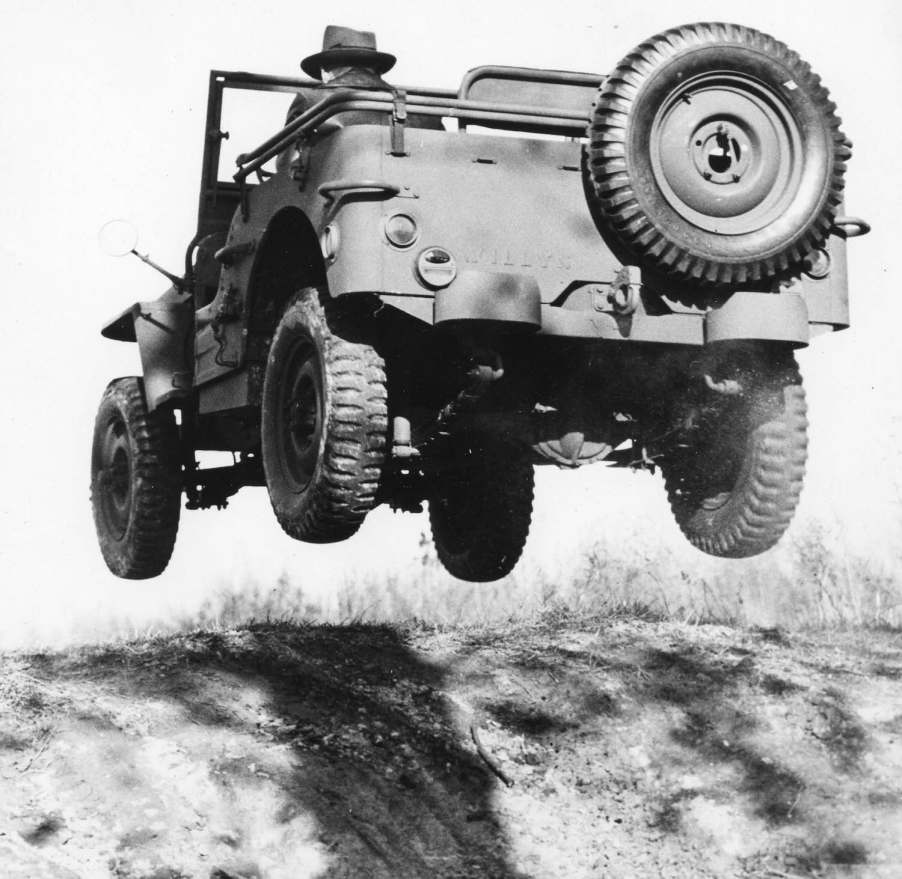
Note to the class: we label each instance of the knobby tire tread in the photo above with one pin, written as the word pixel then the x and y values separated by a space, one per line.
pixel 767 492
pixel 346 480
pixel 146 548
pixel 480 523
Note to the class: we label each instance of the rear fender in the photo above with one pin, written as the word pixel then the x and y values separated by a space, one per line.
pixel 759 316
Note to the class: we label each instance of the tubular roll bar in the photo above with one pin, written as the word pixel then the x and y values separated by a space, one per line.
pixel 420 102
pixel 529 74
pixel 262 82
pixel 212 190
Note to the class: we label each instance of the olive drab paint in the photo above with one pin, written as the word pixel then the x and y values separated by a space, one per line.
pixel 587 287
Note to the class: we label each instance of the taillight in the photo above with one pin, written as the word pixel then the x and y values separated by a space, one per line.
pixel 328 242
pixel 401 230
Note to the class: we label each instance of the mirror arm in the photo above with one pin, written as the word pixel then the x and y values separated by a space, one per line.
pixel 179 282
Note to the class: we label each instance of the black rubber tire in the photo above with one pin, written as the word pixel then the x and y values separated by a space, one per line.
pixel 734 491
pixel 323 470
pixel 480 509
pixel 135 482
pixel 677 109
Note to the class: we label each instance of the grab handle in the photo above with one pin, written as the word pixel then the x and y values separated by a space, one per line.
pixel 329 189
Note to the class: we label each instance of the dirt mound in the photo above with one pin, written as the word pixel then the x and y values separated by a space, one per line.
pixel 634 749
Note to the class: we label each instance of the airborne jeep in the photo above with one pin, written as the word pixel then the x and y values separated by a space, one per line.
pixel 572 269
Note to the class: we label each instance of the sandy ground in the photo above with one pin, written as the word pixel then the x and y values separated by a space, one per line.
pixel 633 749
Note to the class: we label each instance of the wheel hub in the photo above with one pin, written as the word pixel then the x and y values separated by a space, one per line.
pixel 115 477
pixel 302 420
pixel 301 414
pixel 726 153
pixel 721 153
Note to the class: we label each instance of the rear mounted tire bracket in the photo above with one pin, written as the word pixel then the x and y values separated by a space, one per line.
pixel 398 122
pixel 622 296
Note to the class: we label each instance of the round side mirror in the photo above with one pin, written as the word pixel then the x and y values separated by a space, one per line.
pixel 118 237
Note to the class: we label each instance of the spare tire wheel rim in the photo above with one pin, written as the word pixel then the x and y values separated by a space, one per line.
pixel 301 411
pixel 727 153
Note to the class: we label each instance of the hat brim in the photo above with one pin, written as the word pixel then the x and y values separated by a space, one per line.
pixel 381 62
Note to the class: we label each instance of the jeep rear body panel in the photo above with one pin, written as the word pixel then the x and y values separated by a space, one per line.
pixel 462 189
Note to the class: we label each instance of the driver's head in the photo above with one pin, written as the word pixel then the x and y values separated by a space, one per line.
pixel 345 49
pixel 330 73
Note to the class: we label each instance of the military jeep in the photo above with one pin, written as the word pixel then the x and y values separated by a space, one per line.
pixel 564 268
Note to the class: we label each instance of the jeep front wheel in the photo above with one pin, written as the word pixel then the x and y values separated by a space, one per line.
pixel 734 487
pixel 324 421
pixel 480 509
pixel 135 482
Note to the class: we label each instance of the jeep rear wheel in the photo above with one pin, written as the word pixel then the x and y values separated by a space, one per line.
pixel 135 482
pixel 324 421
pixel 734 489
pixel 480 509
pixel 716 156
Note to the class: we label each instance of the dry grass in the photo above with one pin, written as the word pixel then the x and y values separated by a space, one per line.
pixel 808 582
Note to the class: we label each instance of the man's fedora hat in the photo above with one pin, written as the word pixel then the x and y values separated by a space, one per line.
pixel 343 46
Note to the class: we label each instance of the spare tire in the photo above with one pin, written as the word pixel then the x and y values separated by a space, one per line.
pixel 715 157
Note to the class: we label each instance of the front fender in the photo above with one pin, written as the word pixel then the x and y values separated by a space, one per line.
pixel 163 332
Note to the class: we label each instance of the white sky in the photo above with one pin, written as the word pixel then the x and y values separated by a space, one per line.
pixel 103 112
